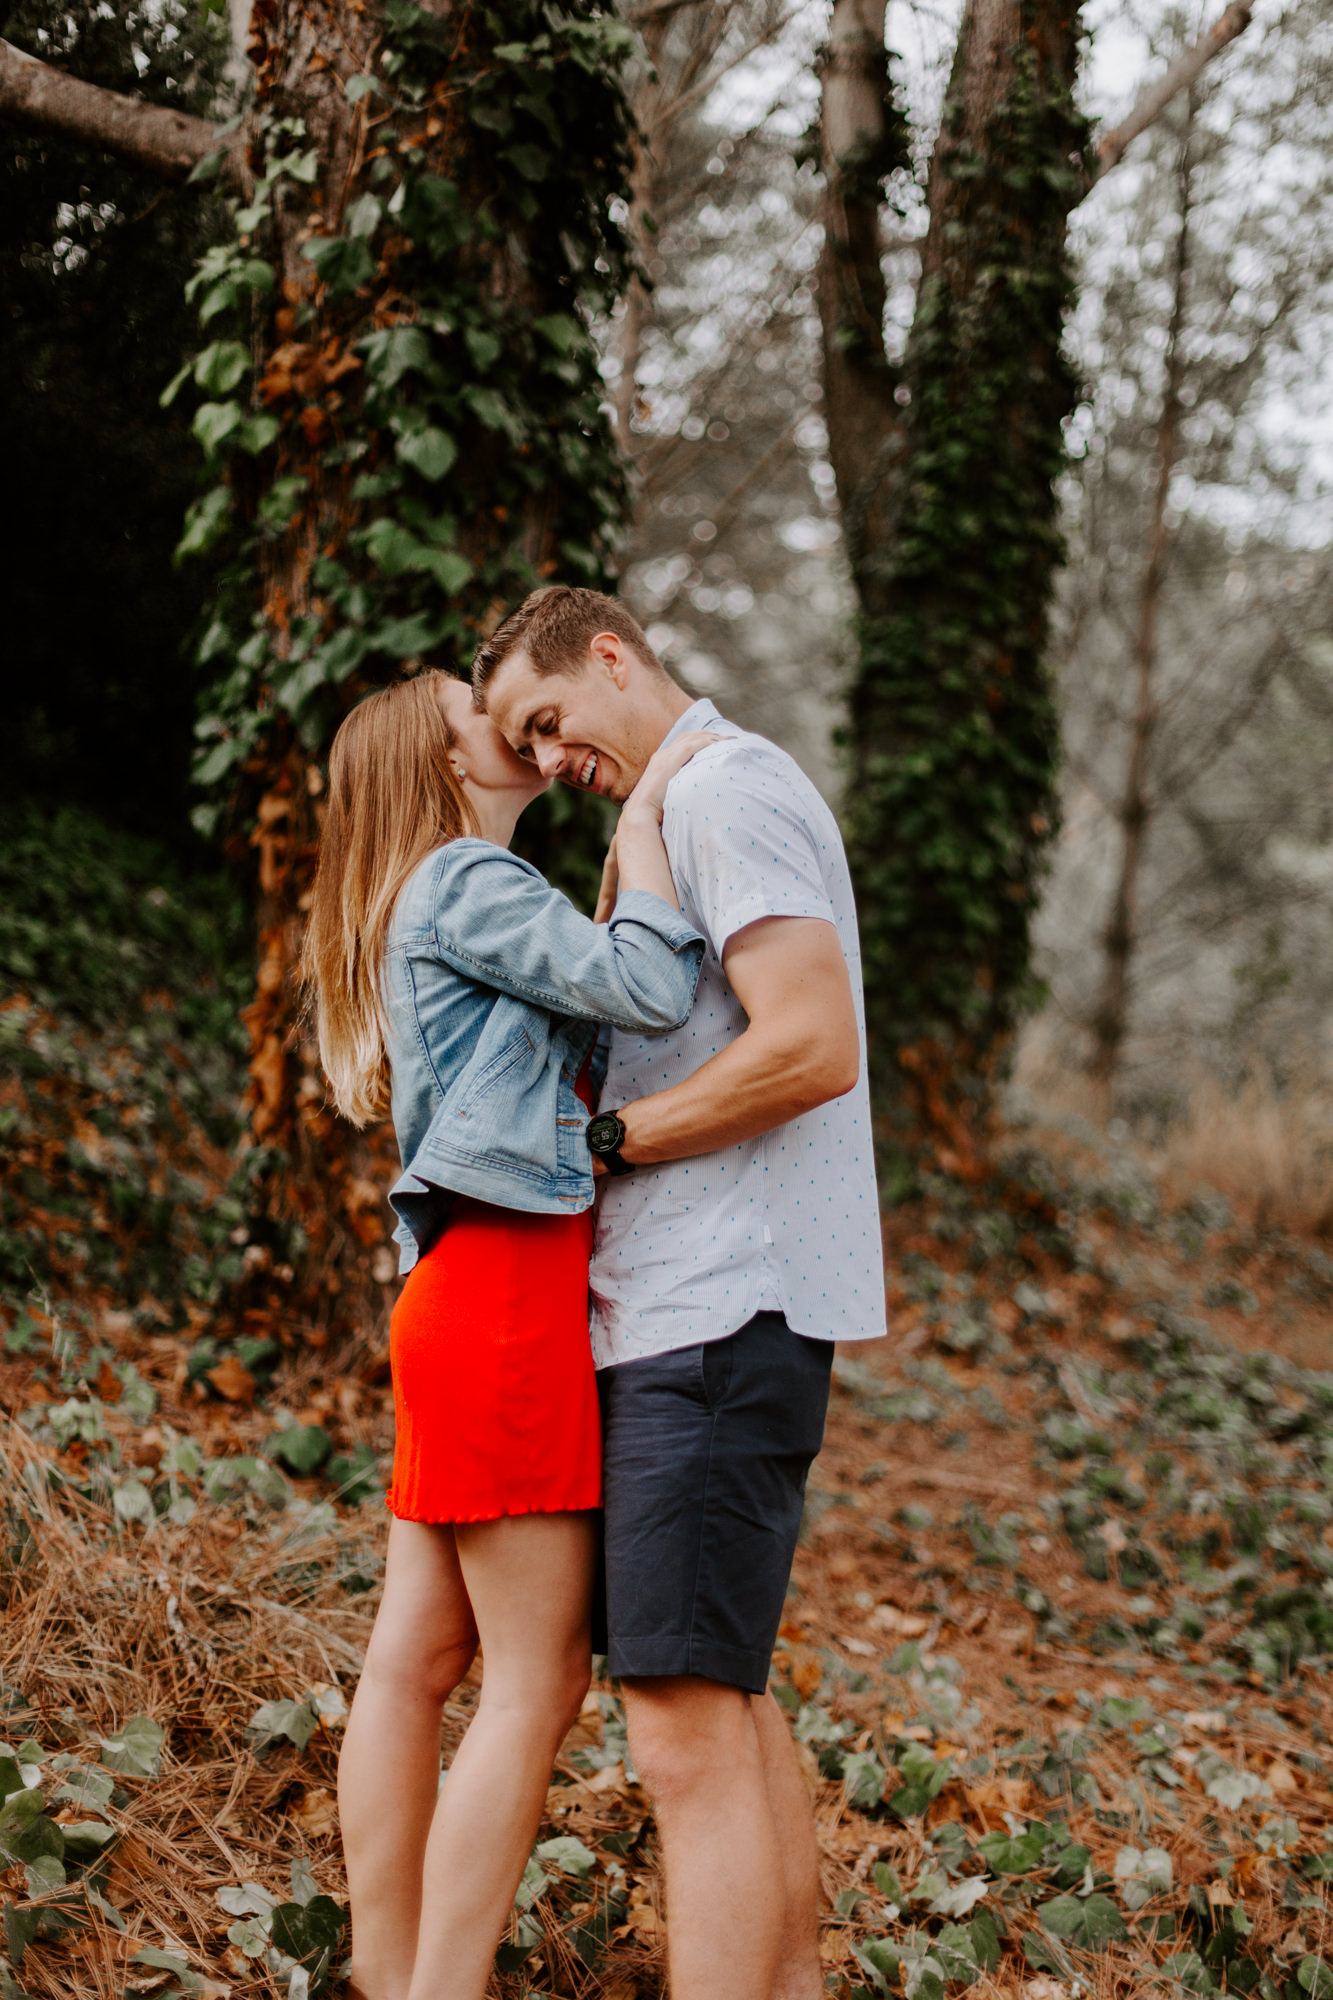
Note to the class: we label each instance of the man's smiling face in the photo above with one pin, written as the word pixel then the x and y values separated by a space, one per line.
pixel 593 727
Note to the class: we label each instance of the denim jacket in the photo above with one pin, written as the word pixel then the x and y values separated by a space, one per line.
pixel 495 988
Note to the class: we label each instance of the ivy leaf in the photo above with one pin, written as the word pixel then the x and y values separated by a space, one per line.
pixel 863 1775
pixel 295 1720
pixel 175 385
pixel 491 408
pixel 343 263
pixel 1315 1977
pixel 166 1961
pixel 25 1831
pixel 533 162
pixel 220 367
pixel 215 422
pixel 391 351
pixel 1091 1922
pixel 483 346
pixel 363 216
pixel 21 1928
pixel 310 1933
pixel 133 1502
pixel 567 1854
pixel 205 523
pixel 564 333
pixel 358 87
pixel 1010 1855
pixel 302 1448
pixel 137 1750
pixel 450 569
pixel 257 433
pixel 431 452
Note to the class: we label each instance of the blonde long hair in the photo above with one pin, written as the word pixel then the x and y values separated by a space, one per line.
pixel 392 799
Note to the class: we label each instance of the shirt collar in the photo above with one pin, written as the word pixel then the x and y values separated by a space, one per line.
pixel 699 716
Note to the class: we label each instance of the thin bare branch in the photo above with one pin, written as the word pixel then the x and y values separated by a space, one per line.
pixel 1180 74
pixel 167 143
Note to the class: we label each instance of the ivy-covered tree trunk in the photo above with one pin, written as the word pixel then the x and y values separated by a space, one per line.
pixel 953 541
pixel 401 407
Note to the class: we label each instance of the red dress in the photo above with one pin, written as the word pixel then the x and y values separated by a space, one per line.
pixel 494 1395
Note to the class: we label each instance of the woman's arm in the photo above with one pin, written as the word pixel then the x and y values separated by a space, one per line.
pixel 640 853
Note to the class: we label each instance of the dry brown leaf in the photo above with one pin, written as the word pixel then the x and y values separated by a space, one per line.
pixel 233 1380
pixel 316 1813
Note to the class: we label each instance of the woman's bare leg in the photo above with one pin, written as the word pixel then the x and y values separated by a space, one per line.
pixel 423 1643
pixel 529 1580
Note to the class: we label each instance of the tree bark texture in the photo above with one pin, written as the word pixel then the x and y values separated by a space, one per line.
pixel 952 726
pixel 1121 935
pixel 861 138
pixel 165 143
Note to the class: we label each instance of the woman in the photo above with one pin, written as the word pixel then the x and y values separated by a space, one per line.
pixel 455 985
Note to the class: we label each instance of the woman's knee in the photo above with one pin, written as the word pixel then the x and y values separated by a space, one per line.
pixel 426 1666
pixel 545 1695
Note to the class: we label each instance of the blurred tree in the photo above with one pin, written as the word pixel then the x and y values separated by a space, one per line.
pixel 93 264
pixel 730 555
pixel 946 465
pixel 1189 902
pixel 419 221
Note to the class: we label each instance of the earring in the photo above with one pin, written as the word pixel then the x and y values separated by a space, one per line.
pixel 459 771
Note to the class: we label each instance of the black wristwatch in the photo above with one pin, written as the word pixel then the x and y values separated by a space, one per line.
pixel 606 1135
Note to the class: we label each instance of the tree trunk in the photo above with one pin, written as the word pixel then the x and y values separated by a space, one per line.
pixel 1121 935
pixel 952 729
pixel 862 140
pixel 166 143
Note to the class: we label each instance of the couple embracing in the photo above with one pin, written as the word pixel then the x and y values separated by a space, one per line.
pixel 652 1126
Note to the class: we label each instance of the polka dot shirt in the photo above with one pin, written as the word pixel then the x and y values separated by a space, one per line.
pixel 692 1249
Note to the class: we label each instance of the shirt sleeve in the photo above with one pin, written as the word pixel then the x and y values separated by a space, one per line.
pixel 742 844
pixel 498 921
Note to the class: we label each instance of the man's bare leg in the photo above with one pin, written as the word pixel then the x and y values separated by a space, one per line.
pixel 800 1974
pixel 697 1749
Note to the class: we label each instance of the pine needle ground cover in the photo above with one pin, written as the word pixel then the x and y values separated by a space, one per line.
pixel 1056 1650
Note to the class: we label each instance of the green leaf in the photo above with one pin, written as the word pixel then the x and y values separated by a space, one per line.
pixel 294 1720
pixel 1189 1970
pixel 137 1750
pixel 565 333
pixel 1008 1855
pixel 167 1961
pixel 85 1838
pixel 25 1832
pixel 220 367
pixel 1090 1922
pixel 483 347
pixel 533 162
pixel 491 409
pixel 534 1883
pixel 450 569
pixel 257 433
pixel 567 1854
pixel 302 1448
pixel 250 1936
pixel 344 263
pixel 11 1779
pixel 175 385
pixel 309 1932
pixel 357 87
pixel 205 523
pixel 1315 1977
pixel 304 1887
pixel 20 1929
pixel 863 1776
pixel 392 351
pixel 431 452
pixel 133 1502
pixel 363 217
pixel 215 422
pixel 985 1936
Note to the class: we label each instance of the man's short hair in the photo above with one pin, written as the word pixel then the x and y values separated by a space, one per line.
pixel 555 627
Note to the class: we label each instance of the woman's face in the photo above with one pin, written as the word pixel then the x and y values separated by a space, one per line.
pixel 481 753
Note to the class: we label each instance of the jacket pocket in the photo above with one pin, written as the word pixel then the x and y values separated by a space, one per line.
pixel 516 1050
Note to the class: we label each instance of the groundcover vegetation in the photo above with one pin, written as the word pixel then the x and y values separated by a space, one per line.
pixel 1055 1653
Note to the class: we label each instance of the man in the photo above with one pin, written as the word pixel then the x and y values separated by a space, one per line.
pixel 737 1238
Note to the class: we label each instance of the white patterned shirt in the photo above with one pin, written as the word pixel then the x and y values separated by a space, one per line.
pixel 690 1250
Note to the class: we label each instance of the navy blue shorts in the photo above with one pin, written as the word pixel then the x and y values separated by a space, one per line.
pixel 705 1457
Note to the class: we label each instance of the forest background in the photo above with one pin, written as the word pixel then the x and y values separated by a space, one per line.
pixel 955 415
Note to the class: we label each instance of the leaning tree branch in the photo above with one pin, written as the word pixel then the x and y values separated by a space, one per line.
pixel 164 142
pixel 1112 146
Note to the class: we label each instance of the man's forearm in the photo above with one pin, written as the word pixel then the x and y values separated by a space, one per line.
pixel 756 1083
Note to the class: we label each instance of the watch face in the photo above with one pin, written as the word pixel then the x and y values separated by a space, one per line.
pixel 604 1133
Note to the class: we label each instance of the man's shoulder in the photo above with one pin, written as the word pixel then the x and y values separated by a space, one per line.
pixel 743 772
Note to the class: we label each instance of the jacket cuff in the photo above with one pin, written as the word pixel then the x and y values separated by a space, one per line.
pixel 640 906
